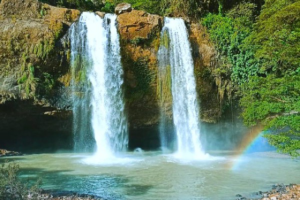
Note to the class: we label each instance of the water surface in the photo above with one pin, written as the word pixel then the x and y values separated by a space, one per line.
pixel 151 175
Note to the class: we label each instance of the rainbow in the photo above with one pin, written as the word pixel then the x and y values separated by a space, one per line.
pixel 247 144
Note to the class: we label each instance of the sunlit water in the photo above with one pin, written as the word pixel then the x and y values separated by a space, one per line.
pixel 151 175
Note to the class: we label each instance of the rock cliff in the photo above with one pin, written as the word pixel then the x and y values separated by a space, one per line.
pixel 34 66
pixel 32 55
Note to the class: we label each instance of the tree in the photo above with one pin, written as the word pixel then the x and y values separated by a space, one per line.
pixel 275 103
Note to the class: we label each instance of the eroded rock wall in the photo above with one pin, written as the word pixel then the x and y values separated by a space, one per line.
pixel 32 56
pixel 205 60
pixel 140 35
pixel 33 59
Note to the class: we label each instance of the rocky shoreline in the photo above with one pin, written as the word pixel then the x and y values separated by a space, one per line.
pixel 278 192
pixel 4 152
pixel 67 196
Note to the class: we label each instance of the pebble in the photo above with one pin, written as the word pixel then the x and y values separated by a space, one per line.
pixel 278 192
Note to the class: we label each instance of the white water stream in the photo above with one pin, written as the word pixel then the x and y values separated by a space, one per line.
pixel 96 49
pixel 177 53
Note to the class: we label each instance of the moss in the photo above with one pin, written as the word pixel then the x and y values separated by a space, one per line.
pixel 137 41
pixel 43 48
pixel 165 41
pixel 56 27
pixel 22 79
pixel 80 68
pixel 47 84
pixel 68 54
pixel 13 19
pixel 140 82
pixel 28 81
pixel 156 43
pixel 10 45
pixel 164 84
pixel 81 76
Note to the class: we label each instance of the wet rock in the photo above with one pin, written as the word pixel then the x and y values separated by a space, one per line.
pixel 138 24
pixel 205 59
pixel 123 8
pixel 280 192
pixel 100 14
pixel 4 152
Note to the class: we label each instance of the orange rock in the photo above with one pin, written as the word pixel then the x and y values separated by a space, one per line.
pixel 138 24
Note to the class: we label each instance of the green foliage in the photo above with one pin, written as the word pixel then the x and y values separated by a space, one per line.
pixel 151 6
pixel 180 8
pixel 77 4
pixel 263 58
pixel 12 188
pixel 276 37
pixel 43 48
pixel 28 80
pixel 108 8
pixel 140 83
pixel 165 41
pixel 229 33
pixel 80 68
pixel 275 102
pixel 164 85
pixel 48 83
pixel 137 41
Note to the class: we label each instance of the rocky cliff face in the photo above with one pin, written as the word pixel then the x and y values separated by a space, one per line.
pixel 32 56
pixel 205 60
pixel 34 66
pixel 140 35
pixel 32 61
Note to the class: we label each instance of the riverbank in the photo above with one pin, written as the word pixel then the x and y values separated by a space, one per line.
pixel 4 152
pixel 68 196
pixel 278 192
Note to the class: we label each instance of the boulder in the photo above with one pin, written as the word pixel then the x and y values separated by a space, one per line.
pixel 123 8
pixel 4 152
pixel 138 24
pixel 100 14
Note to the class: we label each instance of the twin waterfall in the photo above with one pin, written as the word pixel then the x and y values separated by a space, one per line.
pixel 175 56
pixel 100 122
pixel 97 85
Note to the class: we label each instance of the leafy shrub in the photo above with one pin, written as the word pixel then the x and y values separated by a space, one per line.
pixel 275 103
pixel 230 34
pixel 12 188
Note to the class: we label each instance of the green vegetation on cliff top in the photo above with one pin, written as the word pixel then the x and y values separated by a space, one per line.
pixel 192 8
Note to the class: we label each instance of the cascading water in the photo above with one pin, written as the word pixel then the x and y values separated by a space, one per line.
pixel 175 52
pixel 97 84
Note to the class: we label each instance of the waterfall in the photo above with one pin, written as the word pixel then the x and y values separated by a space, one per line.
pixel 96 84
pixel 175 53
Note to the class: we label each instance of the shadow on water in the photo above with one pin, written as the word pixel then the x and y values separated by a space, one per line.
pixel 10 159
pixel 107 186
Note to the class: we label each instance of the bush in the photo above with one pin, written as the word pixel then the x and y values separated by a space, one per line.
pixel 12 188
